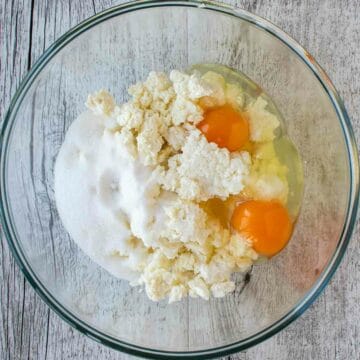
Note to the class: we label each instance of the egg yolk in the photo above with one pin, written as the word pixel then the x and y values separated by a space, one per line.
pixel 266 223
pixel 226 127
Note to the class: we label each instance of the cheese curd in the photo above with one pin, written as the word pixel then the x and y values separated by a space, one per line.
pixel 268 176
pixel 262 122
pixel 203 171
pixel 130 180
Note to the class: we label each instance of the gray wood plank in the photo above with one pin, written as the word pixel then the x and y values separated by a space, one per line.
pixel 21 309
pixel 328 330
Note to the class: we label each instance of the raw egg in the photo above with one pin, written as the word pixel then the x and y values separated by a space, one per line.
pixel 266 224
pixel 226 127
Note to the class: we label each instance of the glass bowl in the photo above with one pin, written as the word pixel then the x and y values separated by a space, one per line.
pixel 119 47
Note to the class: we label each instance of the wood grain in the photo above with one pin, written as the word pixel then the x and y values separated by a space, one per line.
pixel 329 29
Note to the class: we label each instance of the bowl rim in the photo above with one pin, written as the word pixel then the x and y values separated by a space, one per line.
pixel 352 205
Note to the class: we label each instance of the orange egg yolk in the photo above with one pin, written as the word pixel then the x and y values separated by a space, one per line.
pixel 266 223
pixel 226 127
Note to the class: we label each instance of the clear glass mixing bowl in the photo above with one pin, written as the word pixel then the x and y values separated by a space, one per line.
pixel 119 47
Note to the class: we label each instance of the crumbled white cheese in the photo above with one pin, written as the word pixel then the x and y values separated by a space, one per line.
pixel 191 87
pixel 101 103
pixel 262 122
pixel 185 222
pixel 218 85
pixel 157 83
pixel 126 138
pixel 175 137
pixel 198 288
pixel 149 140
pixel 269 187
pixel 203 254
pixel 130 116
pixel 185 262
pixel 185 110
pixel 188 89
pixel 268 179
pixel 202 170
pixel 157 277
pixel 222 92
pixel 234 96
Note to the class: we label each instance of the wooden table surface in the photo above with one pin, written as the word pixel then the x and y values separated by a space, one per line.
pixel 330 30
